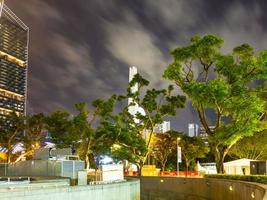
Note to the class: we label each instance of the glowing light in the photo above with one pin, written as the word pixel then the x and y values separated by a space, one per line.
pixel 12 59
pixel 10 94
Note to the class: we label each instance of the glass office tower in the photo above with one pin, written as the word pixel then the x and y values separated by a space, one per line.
pixel 14 36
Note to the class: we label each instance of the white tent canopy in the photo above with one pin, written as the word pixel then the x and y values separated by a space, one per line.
pixel 240 166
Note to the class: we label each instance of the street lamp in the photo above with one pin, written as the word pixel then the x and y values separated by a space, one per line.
pixel 178 154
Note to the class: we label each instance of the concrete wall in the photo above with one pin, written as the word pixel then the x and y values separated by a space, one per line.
pixel 129 190
pixel 63 168
pixel 172 188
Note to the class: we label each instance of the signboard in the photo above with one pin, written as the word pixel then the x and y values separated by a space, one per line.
pixel 179 154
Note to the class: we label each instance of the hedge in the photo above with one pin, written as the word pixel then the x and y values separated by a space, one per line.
pixel 250 178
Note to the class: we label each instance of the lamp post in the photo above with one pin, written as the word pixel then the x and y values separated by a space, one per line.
pixel 178 154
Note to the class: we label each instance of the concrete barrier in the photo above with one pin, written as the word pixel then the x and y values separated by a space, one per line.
pixel 128 190
pixel 176 188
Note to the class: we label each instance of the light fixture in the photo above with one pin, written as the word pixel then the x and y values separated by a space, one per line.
pixel 231 188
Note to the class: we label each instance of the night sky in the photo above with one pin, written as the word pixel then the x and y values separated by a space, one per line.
pixel 81 49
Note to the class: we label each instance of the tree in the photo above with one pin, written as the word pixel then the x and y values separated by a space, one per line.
pixel 164 145
pixel 192 148
pixel 59 125
pixel 253 147
pixel 228 86
pixel 136 131
pixel 85 131
pixel 33 135
pixel 11 129
pixel 130 143
pixel 94 139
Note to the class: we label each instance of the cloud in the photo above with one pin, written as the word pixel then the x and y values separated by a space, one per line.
pixel 91 59
pixel 241 24
pixel 176 15
pixel 74 78
pixel 41 11
pixel 131 43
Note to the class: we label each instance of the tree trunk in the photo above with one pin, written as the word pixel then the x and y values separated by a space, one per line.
pixel 187 163
pixel 87 154
pixel 92 162
pixel 24 155
pixel 9 151
pixel 163 167
pixel 139 168
pixel 220 154
pixel 87 161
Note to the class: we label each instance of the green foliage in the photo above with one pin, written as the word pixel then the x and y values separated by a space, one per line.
pixel 60 126
pixel 192 148
pixel 253 147
pixel 250 178
pixel 130 144
pixel 135 132
pixel 11 129
pixel 34 132
pixel 226 84
pixel 89 131
pixel 163 146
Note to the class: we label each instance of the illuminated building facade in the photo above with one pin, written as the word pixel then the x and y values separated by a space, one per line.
pixel 193 130
pixel 14 36
pixel 135 108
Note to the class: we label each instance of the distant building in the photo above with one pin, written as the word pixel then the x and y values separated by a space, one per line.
pixel 134 108
pixel 202 132
pixel 163 128
pixel 14 36
pixel 193 130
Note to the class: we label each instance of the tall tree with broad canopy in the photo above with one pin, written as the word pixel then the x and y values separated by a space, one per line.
pixel 85 131
pixel 164 145
pixel 33 136
pixel 192 148
pixel 60 127
pixel 11 132
pixel 135 132
pixel 253 147
pixel 228 85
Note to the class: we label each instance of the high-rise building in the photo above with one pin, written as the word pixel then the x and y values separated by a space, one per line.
pixel 135 108
pixel 202 132
pixel 193 130
pixel 164 127
pixel 14 36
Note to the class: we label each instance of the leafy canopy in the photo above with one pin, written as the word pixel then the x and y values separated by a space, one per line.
pixel 228 85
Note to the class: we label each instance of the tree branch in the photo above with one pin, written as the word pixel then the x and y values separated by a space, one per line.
pixel 202 117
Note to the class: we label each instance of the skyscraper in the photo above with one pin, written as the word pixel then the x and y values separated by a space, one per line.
pixel 193 130
pixel 135 108
pixel 164 127
pixel 14 36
